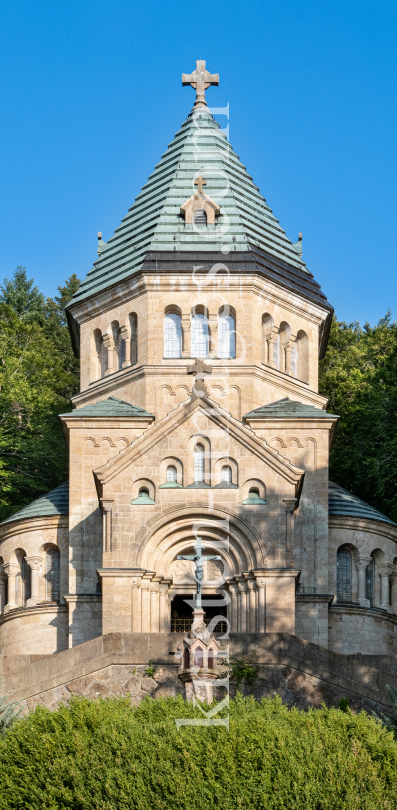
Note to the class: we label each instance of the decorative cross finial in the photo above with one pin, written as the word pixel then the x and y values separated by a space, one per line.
pixel 200 79
pixel 200 183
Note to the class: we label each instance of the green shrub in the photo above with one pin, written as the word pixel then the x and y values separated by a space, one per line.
pixel 107 755
pixel 244 669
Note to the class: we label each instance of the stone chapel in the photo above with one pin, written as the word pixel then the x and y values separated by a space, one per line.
pixel 199 330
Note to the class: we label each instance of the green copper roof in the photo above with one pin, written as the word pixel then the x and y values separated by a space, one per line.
pixel 154 222
pixel 55 502
pixel 108 407
pixel 342 502
pixel 287 409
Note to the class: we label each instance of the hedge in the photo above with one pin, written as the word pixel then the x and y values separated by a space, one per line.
pixel 106 754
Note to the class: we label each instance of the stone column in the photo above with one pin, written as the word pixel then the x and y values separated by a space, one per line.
pixel 287 355
pixel 361 563
pixel 3 583
pixel 186 327
pixel 11 569
pixel 107 504
pixel 260 583
pixel 385 570
pixel 145 592
pixel 108 344
pixel 165 624
pixel 136 623
pixel 155 605
pixel 213 336
pixel 290 506
pixel 393 580
pixel 233 607
pixel 126 336
pixel 251 623
pixel 243 606
pixel 35 564
pixel 272 339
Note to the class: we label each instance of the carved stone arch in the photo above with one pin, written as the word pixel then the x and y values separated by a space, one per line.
pixel 277 441
pixel 123 442
pixel 182 393
pixel 244 542
pixel 90 442
pixel 106 440
pixel 293 441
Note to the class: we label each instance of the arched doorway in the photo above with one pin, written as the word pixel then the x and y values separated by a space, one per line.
pixel 182 611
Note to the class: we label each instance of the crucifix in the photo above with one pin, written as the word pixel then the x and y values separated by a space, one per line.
pixel 198 558
pixel 200 79
pixel 200 183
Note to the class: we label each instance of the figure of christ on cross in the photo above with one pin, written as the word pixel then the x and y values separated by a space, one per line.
pixel 198 558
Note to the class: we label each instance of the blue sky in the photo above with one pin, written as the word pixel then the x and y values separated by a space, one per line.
pixel 91 96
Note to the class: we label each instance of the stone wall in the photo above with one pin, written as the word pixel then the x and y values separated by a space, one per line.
pixel 41 630
pixel 359 630
pixel 302 673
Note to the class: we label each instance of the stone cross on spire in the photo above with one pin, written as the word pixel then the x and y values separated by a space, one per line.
pixel 200 79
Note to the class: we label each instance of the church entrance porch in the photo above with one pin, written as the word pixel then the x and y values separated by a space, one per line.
pixel 182 612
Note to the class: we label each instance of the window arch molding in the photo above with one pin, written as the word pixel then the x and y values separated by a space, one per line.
pixel 52 573
pixel 254 483
pixel 171 461
pixel 226 461
pixel 198 439
pixel 172 332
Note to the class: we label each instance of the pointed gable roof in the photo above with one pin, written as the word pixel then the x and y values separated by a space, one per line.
pixel 154 222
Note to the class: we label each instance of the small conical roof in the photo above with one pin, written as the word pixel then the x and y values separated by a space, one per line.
pixel 154 222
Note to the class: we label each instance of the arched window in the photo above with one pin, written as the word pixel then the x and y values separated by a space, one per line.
pixel 226 475
pixel 199 463
pixel 186 661
pixel 171 474
pixel 343 575
pixel 26 581
pixel 226 335
pixel 302 356
pixel 172 335
pixel 199 657
pixel 285 346
pixel 370 582
pixel 134 338
pixel 199 218
pixel 199 335
pixel 211 659
pixel 53 575
pixel 97 355
pixel 116 335
pixel 267 339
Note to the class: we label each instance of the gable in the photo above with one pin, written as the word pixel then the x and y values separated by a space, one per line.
pixel 200 418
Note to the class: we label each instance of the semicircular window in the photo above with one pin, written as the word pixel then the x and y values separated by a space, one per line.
pixel 199 218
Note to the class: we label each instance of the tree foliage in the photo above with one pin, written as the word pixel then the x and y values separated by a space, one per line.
pixel 106 755
pixel 359 377
pixel 38 375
